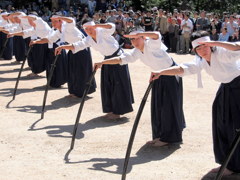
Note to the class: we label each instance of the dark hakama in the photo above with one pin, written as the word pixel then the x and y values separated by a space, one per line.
pixel 8 51
pixel 20 48
pixel 167 116
pixel 116 88
pixel 226 119
pixel 37 58
pixel 60 72
pixel 79 71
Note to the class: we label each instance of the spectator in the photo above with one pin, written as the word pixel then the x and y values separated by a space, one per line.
pixel 202 22
pixel 148 22
pixel 187 27
pixel 162 26
pixel 224 36
pixel 173 34
pixel 232 26
pixel 214 35
pixel 91 6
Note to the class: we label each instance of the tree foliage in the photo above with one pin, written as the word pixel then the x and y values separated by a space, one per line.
pixel 218 6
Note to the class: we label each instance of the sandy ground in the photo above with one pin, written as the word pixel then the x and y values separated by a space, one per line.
pixel 37 149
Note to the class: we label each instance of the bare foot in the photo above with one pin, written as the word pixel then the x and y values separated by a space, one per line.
pixel 153 141
pixel 16 62
pixel 70 95
pixel 226 172
pixel 113 116
pixel 33 75
pixel 107 115
pixel 159 143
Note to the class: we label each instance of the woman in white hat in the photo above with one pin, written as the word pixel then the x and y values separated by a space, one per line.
pixel 116 90
pixel 166 105
pixel 219 60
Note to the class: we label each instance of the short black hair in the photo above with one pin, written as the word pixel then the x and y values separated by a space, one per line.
pixel 198 34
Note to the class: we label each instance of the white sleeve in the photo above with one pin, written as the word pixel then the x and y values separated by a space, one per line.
pixel 225 55
pixel 193 67
pixel 80 45
pixel 70 25
pixel 155 44
pixel 15 29
pixel 28 32
pixel 129 57
pixel 54 36
pixel 107 32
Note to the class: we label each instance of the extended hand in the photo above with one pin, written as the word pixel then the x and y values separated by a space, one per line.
pixel 154 76
pixel 97 65
pixel 58 50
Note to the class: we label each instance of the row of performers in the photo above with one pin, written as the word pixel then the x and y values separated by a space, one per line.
pixel 167 117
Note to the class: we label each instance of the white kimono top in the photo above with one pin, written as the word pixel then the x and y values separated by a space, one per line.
pixel 224 66
pixel 154 55
pixel 105 43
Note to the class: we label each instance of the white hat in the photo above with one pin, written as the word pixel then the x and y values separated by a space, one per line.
pixel 90 23
pixel 56 16
pixel 135 32
pixel 195 43
pixel 5 13
pixel 32 15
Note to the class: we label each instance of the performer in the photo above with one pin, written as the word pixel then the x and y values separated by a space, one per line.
pixel 59 76
pixel 166 105
pixel 116 90
pixel 38 55
pixel 4 25
pixel 19 43
pixel 219 60
pixel 79 64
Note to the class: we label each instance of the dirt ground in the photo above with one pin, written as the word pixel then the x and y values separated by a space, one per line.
pixel 37 149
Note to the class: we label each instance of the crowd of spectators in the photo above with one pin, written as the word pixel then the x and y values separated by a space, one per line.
pixel 175 27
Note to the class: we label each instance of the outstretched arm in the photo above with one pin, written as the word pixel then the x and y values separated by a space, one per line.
pixel 59 49
pixel 105 26
pixel 151 35
pixel 16 34
pixel 68 20
pixel 39 41
pixel 226 45
pixel 116 60
pixel 172 71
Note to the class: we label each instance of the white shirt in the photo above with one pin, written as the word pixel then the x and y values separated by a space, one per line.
pixel 223 66
pixel 154 55
pixel 14 28
pixel 70 33
pixel 5 23
pixel 189 26
pixel 41 30
pixel 105 43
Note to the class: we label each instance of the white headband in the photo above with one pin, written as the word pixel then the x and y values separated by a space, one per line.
pixel 135 32
pixel 5 13
pixel 91 23
pixel 195 43
pixel 56 16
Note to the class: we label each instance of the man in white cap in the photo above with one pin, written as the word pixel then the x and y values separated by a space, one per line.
pixel 80 63
pixel 219 60
pixel 166 105
pixel 116 90
pixel 5 24
pixel 38 53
